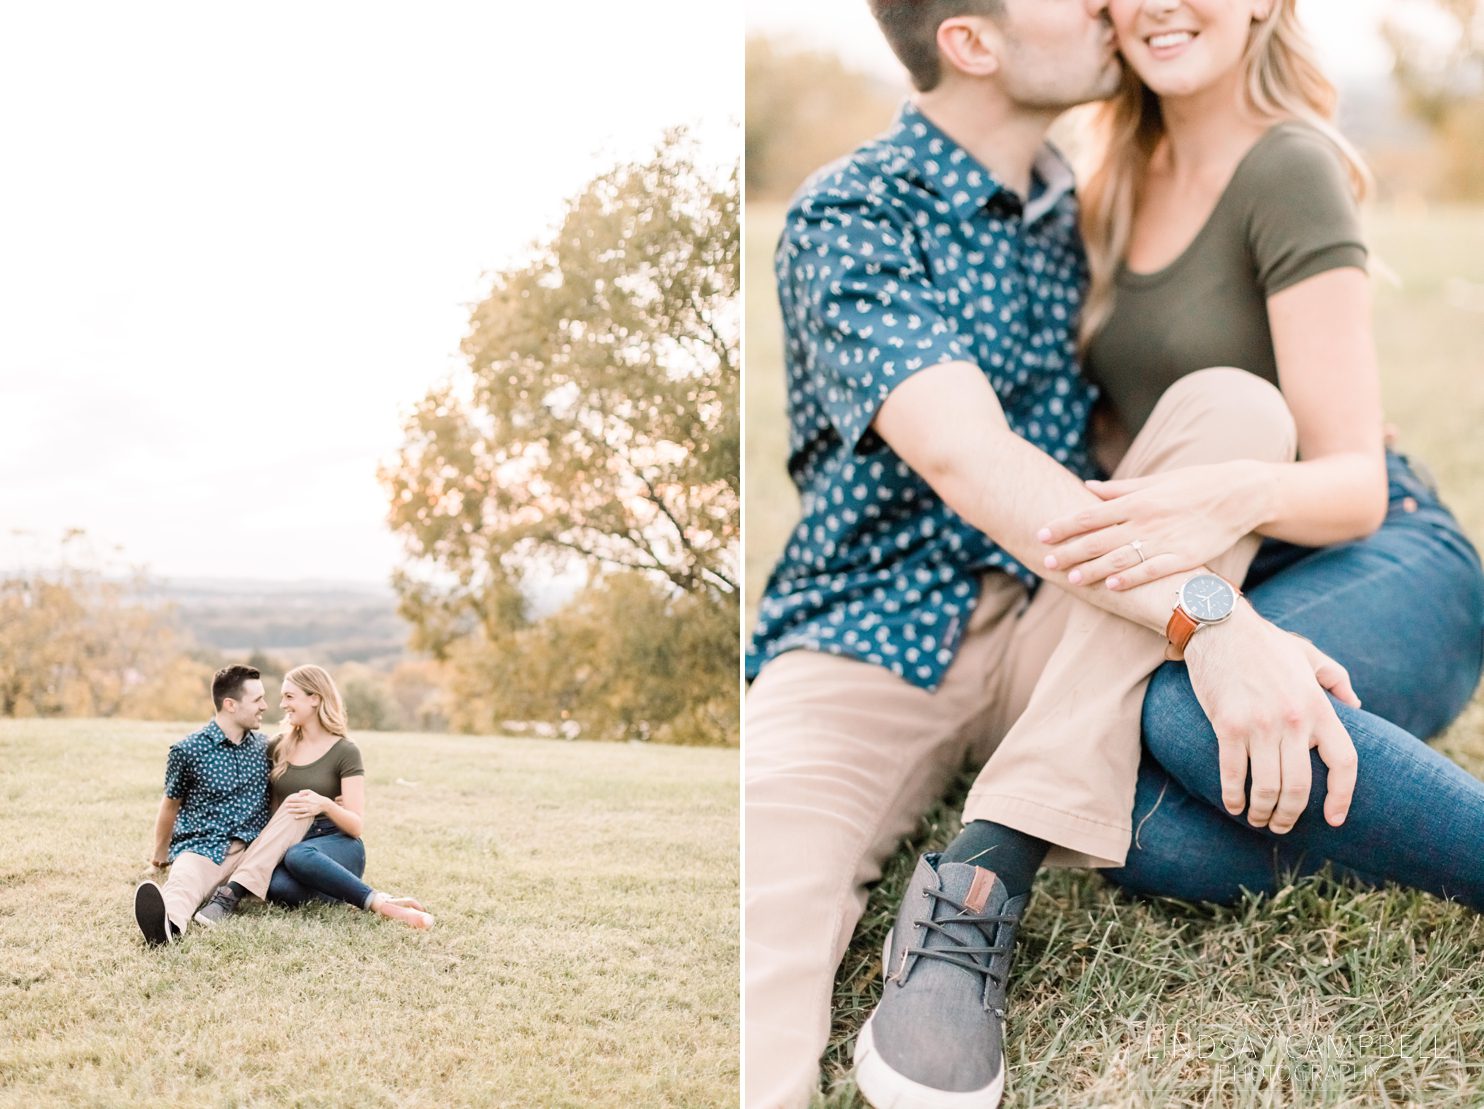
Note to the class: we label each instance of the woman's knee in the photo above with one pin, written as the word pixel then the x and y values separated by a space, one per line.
pixel 299 856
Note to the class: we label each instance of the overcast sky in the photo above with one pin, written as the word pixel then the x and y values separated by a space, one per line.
pixel 1343 30
pixel 237 242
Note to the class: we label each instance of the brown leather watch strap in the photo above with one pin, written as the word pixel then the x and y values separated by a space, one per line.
pixel 1178 631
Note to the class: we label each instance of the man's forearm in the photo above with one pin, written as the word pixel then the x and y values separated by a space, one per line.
pixel 946 423
pixel 165 827
pixel 1031 488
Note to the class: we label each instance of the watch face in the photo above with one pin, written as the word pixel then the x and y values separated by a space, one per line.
pixel 1208 598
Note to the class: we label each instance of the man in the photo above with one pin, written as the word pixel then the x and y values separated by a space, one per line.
pixel 930 286
pixel 215 806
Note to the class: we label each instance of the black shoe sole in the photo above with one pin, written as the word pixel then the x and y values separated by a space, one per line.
pixel 149 913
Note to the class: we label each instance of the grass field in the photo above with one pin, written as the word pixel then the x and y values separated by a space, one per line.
pixel 1318 996
pixel 586 949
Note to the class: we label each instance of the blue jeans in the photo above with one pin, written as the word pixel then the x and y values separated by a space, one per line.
pixel 1403 611
pixel 323 866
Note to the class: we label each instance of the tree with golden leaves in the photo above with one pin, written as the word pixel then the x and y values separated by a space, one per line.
pixel 598 423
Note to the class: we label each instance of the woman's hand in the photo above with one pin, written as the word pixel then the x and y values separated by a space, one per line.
pixel 306 803
pixel 1182 519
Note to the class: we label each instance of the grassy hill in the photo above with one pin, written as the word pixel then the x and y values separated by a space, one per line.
pixel 586 949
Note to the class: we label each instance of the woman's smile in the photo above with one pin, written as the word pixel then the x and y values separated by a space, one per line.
pixel 1168 45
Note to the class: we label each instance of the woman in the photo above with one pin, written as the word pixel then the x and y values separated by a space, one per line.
pixel 317 774
pixel 1221 229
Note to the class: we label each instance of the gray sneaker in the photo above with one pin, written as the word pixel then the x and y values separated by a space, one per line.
pixel 936 1039
pixel 223 904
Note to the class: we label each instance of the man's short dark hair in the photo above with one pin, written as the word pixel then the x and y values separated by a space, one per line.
pixel 911 30
pixel 229 681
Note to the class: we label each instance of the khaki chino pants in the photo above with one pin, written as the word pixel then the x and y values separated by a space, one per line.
pixel 842 757
pixel 194 878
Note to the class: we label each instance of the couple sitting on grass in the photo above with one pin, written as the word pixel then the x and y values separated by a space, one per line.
pixel 960 590
pixel 279 820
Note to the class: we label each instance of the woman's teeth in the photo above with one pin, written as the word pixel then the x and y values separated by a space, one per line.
pixel 1170 38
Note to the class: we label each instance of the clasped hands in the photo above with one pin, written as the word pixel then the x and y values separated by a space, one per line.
pixel 306 803
pixel 1182 518
pixel 1263 689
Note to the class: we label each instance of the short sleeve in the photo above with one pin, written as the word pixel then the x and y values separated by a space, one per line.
pixel 864 305
pixel 349 765
pixel 1304 219
pixel 177 773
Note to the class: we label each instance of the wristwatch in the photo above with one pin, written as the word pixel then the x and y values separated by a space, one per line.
pixel 1204 599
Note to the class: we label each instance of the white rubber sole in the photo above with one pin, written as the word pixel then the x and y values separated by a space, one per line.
pixel 884 1088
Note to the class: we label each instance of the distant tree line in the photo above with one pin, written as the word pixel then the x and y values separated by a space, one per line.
pixel 1439 50
pixel 81 642
pixel 805 108
pixel 75 643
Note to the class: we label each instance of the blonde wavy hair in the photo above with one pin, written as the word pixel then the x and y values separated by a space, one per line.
pixel 1281 80
pixel 315 681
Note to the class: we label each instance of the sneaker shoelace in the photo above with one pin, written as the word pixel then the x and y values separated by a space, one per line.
pixel 960 953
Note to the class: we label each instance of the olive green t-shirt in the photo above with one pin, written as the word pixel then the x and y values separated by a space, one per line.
pixel 1288 213
pixel 342 760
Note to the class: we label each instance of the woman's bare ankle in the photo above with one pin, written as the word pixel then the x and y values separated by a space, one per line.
pixel 394 909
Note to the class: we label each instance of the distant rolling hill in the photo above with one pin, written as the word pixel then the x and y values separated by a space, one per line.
pixel 327 622
pixel 312 621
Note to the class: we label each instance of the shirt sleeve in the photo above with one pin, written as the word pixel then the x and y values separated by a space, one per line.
pixel 862 304
pixel 349 763
pixel 1304 219
pixel 177 773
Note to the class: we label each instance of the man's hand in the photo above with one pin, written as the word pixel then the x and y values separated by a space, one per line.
pixel 1264 693
pixel 306 803
pixel 159 862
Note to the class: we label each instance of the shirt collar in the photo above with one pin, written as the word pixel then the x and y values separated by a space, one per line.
pixel 951 172
pixel 1051 171
pixel 214 730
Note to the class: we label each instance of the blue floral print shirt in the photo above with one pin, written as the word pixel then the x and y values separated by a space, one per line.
pixel 223 789
pixel 902 256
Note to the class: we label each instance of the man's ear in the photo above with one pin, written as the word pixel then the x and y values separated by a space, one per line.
pixel 970 44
